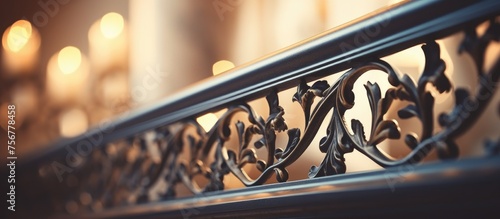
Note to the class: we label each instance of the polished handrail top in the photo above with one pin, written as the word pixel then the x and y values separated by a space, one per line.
pixel 401 25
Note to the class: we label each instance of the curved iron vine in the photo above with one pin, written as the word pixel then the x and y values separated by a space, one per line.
pixel 150 165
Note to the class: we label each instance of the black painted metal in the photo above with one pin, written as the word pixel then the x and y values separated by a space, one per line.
pixel 400 27
pixel 462 188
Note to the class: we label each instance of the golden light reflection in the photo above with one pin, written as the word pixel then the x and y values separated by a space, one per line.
pixel 111 25
pixel 221 66
pixel 207 121
pixel 73 122
pixel 393 2
pixel 69 59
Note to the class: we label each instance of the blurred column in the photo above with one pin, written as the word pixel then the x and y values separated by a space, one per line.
pixel 173 44
pixel 247 45
pixel 144 44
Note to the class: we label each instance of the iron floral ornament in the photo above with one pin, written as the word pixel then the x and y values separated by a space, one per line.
pixel 149 166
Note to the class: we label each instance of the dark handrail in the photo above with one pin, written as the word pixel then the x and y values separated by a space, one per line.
pixel 400 26
pixel 362 41
pixel 447 190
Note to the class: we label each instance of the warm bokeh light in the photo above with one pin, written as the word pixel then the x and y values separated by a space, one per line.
pixel 69 59
pixel 25 97
pixel 108 43
pixel 207 121
pixel 221 66
pixel 67 76
pixel 111 25
pixel 73 122
pixel 18 35
pixel 21 43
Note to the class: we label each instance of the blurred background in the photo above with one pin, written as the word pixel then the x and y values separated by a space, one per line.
pixel 69 65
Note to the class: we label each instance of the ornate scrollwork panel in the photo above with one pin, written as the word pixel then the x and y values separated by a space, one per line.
pixel 149 166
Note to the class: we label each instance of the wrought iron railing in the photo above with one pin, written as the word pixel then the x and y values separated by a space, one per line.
pixel 116 170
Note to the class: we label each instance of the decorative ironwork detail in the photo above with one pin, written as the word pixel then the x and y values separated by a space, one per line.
pixel 150 165
pixel 341 98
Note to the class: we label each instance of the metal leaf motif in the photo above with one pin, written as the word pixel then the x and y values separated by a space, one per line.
pixel 293 140
pixel 132 168
pixel 421 107
pixel 305 95
pixel 408 112
pixel 434 69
